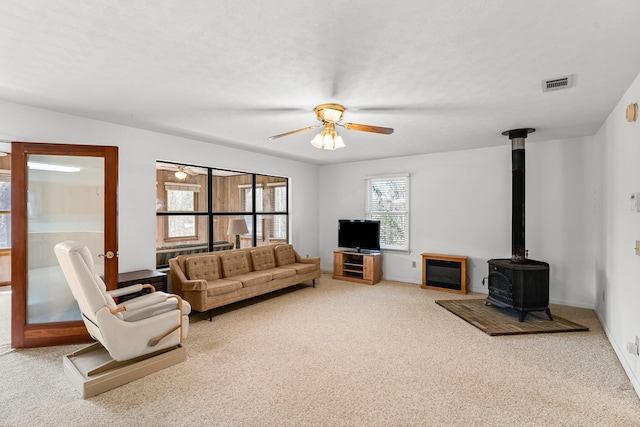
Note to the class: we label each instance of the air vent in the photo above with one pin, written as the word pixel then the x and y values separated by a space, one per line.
pixel 559 83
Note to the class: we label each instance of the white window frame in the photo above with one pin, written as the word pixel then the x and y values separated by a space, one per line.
pixel 278 224
pixel 194 189
pixel 386 210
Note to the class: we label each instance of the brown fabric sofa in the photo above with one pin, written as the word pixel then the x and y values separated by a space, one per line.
pixel 215 279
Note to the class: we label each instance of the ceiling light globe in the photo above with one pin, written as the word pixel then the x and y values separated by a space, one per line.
pixel 181 175
pixel 327 142
pixel 332 115
pixel 317 141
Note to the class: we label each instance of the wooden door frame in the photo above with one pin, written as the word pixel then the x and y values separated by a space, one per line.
pixel 55 333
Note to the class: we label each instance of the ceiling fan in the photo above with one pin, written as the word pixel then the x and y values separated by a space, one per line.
pixel 330 115
pixel 181 172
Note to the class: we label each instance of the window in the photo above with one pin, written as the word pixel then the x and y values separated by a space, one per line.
pixel 193 212
pixel 387 200
pixel 5 209
pixel 247 199
pixel 181 198
pixel 278 199
pixel 247 205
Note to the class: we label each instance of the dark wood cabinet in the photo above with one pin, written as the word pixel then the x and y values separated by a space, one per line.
pixel 150 277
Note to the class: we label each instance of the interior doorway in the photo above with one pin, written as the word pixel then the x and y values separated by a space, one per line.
pixel 59 192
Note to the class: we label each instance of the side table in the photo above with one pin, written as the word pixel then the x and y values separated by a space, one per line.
pixel 151 277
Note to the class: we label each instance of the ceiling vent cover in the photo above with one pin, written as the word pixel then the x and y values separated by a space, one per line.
pixel 559 83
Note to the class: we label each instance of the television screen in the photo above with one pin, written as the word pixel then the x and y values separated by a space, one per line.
pixel 359 234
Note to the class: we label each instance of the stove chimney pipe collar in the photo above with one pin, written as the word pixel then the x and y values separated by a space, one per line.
pixel 518 133
pixel 517 137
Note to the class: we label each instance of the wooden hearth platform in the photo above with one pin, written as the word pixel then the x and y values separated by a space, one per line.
pixel 494 320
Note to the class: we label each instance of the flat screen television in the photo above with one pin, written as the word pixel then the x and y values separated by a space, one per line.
pixel 359 234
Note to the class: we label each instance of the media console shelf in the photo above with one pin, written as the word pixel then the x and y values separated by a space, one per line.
pixel 357 267
pixel 444 273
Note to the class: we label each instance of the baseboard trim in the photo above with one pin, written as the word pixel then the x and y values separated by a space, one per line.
pixel 620 355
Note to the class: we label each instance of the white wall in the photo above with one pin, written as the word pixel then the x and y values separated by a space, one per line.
pixel 617 267
pixel 461 205
pixel 138 151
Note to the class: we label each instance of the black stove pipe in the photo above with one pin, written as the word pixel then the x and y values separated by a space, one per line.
pixel 517 137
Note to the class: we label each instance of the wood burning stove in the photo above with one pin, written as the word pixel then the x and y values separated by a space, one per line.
pixel 519 283
pixel 521 286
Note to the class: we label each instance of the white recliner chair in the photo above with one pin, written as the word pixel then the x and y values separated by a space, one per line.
pixel 137 329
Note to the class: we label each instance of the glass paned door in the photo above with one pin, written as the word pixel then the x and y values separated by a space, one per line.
pixel 59 192
pixel 65 201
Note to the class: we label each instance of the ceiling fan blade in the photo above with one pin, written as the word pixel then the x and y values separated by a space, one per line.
pixel 368 128
pixel 293 131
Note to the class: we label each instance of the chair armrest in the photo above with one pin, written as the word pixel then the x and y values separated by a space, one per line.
pixel 194 285
pixel 143 301
pixel 130 290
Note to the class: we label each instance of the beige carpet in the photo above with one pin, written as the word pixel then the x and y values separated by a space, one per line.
pixel 343 354
pixel 496 321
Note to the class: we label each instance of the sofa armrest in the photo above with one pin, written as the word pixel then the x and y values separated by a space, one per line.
pixel 310 260
pixel 194 285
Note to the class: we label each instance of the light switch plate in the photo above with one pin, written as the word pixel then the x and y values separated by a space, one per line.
pixel 635 202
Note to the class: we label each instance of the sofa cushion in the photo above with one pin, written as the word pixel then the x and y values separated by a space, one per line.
pixel 282 273
pixel 235 263
pixel 254 278
pixel 285 255
pixel 205 267
pixel 222 286
pixel 263 258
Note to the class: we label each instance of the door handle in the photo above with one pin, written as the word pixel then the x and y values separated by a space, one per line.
pixel 108 255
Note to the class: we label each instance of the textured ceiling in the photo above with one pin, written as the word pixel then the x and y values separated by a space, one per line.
pixel 446 75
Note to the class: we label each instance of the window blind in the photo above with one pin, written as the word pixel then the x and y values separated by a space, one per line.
pixel 387 201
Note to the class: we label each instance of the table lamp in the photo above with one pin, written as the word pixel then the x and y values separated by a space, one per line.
pixel 237 226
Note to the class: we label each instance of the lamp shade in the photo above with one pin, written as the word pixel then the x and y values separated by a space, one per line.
pixel 237 226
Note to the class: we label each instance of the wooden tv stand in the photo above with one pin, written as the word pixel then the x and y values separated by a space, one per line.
pixel 360 267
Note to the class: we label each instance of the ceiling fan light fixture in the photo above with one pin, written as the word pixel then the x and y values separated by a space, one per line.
pixel 180 174
pixel 328 139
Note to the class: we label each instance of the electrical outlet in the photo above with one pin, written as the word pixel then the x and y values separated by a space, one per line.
pixel 413 264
